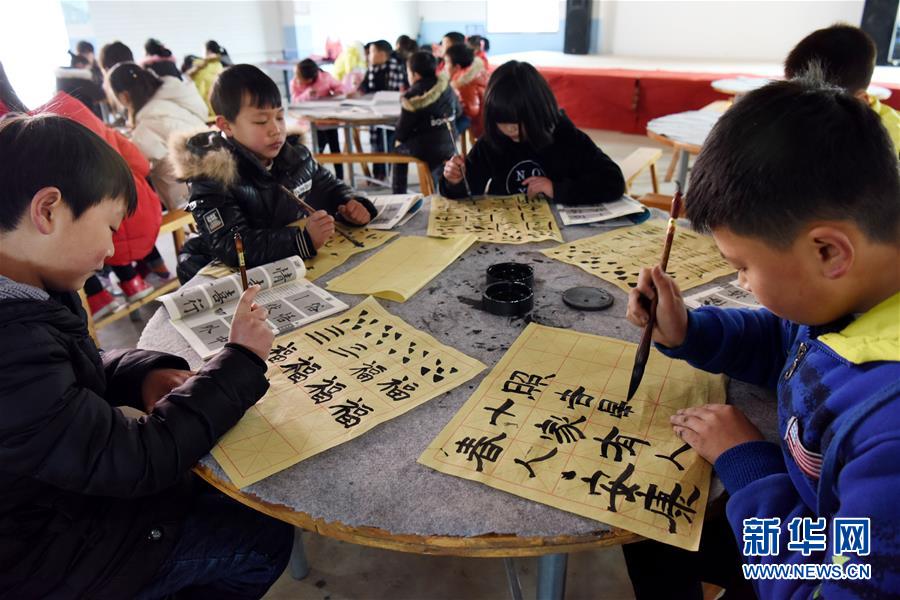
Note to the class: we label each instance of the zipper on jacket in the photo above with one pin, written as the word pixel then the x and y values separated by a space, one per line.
pixel 801 352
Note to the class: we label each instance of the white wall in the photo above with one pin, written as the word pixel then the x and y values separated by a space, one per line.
pixel 355 20
pixel 250 31
pixel 720 30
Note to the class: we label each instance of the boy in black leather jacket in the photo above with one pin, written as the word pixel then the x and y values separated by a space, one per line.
pixel 237 173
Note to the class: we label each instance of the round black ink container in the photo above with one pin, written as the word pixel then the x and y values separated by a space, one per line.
pixel 508 299
pixel 511 271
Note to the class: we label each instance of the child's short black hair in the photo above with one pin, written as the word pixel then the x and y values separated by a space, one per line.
pixel 52 151
pixel 84 47
pixel 381 45
pixel 213 47
pixel 460 55
pixel 308 69
pixel 455 37
pixel 793 152
pixel 845 53
pixel 422 63
pixel 479 42
pixel 237 81
pixel 406 45
pixel 517 93
pixel 154 47
pixel 114 53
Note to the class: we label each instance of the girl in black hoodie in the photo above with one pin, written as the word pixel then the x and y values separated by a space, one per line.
pixel 531 147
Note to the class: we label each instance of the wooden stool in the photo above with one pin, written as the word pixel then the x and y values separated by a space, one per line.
pixel 636 162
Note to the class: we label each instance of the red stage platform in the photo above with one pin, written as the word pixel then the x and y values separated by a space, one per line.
pixel 625 99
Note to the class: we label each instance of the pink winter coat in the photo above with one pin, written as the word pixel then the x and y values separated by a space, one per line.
pixel 138 233
pixel 324 86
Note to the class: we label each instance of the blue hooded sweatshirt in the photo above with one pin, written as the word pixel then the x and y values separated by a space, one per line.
pixel 838 390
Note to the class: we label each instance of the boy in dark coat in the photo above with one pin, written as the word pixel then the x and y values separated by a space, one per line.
pixel 237 173
pixel 94 503
pixel 427 107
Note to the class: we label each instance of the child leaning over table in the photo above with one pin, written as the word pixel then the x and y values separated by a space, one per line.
pixel 237 173
pixel 94 503
pixel 798 184
pixel 531 147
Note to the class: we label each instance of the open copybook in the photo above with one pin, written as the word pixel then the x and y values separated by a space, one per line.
pixel 202 314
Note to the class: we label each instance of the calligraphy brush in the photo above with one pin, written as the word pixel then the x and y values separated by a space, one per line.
pixel 459 153
pixel 242 264
pixel 310 210
pixel 643 351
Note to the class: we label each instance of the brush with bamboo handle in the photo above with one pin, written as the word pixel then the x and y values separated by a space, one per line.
pixel 310 210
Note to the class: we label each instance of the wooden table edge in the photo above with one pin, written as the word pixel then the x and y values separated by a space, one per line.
pixel 483 546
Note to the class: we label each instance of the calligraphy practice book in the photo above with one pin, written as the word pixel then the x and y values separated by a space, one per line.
pixel 498 219
pixel 729 295
pixel 395 209
pixel 617 256
pixel 403 268
pixel 202 314
pixel 551 423
pixel 334 381
pixel 594 213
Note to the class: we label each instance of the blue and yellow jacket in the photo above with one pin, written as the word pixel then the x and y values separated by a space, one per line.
pixel 823 376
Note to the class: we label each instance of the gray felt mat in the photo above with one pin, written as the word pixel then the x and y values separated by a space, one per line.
pixel 375 480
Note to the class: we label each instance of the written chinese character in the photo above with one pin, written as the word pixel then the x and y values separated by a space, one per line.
pixel 325 335
pixel 301 370
pixel 576 397
pixel 619 487
pixel 481 449
pixel 520 382
pixel 281 352
pixel 615 409
pixel 527 463
pixel 500 410
pixel 325 391
pixel 671 505
pixel 346 352
pixel 398 389
pixel 564 430
pixel 671 457
pixel 367 371
pixel 618 442
pixel 350 413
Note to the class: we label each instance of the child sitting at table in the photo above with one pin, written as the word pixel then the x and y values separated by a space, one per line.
pixel 846 54
pixel 95 503
pixel 312 83
pixel 237 175
pixel 531 147
pixel 386 72
pixel 798 185
pixel 428 107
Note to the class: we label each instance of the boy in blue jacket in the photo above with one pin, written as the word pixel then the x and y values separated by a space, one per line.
pixel 798 185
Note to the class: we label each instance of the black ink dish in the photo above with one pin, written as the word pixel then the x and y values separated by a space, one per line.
pixel 508 299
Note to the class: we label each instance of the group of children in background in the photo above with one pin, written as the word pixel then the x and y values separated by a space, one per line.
pixel 798 184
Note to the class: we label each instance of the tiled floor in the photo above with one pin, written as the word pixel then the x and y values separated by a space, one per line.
pixel 341 570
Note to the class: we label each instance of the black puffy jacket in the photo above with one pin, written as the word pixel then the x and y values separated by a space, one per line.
pixel 427 107
pixel 91 501
pixel 231 191
pixel 580 171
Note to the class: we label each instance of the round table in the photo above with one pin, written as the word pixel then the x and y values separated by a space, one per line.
pixel 371 490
